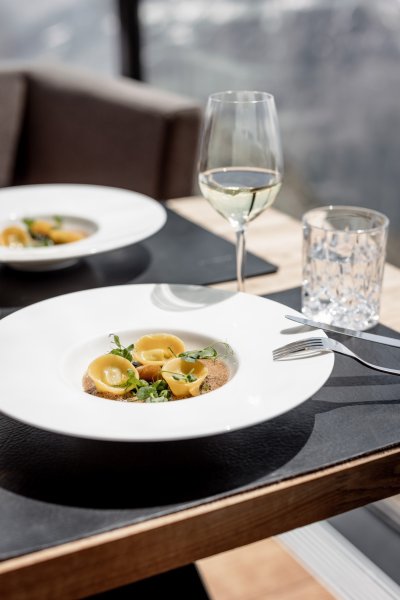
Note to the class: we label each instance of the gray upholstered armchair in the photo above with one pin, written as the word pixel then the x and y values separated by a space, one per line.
pixel 60 125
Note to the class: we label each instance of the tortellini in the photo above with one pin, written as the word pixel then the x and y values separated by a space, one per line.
pixel 184 378
pixel 157 348
pixel 14 237
pixel 109 373
pixel 63 236
pixel 155 368
pixel 39 232
pixel 40 227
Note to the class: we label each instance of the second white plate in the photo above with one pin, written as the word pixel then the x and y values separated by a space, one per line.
pixel 112 217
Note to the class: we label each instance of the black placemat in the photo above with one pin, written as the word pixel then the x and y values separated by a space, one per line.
pixel 55 488
pixel 181 252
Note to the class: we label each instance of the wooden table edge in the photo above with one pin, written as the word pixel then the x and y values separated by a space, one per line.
pixel 114 558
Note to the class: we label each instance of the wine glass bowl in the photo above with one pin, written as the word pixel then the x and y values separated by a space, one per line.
pixel 240 162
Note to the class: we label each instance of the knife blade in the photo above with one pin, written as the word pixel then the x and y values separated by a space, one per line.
pixel 362 335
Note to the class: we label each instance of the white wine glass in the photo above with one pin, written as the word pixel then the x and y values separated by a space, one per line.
pixel 240 162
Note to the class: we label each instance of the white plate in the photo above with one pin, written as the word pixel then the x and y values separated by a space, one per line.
pixel 113 218
pixel 46 348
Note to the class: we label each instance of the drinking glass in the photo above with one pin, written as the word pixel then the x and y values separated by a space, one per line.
pixel 344 250
pixel 241 163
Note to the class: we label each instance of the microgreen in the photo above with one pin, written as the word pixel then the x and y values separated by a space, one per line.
pixel 186 377
pixel 207 352
pixel 58 221
pixel 131 382
pixel 157 391
pixel 193 355
pixel 41 240
pixel 120 350
pixel 28 222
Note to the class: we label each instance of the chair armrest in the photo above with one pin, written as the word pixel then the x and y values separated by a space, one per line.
pixel 85 128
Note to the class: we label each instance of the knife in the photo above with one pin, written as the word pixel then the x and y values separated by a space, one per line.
pixel 362 335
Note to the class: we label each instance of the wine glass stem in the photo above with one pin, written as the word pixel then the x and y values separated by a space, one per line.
pixel 240 257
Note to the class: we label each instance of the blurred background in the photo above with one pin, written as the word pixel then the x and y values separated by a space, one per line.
pixel 332 65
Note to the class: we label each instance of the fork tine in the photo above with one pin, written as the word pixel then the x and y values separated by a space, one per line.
pixel 302 352
pixel 309 344
pixel 299 344
pixel 286 353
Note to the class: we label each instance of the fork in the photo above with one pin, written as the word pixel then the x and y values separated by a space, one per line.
pixel 315 344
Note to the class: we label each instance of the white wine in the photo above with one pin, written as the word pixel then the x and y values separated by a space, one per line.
pixel 238 193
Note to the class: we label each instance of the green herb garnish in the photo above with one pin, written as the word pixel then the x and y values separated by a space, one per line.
pixel 28 222
pixel 131 382
pixel 157 391
pixel 41 240
pixel 120 350
pixel 193 355
pixel 58 221
pixel 186 377
pixel 207 352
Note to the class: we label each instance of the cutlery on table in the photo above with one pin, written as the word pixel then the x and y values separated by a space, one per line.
pixel 362 335
pixel 315 344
